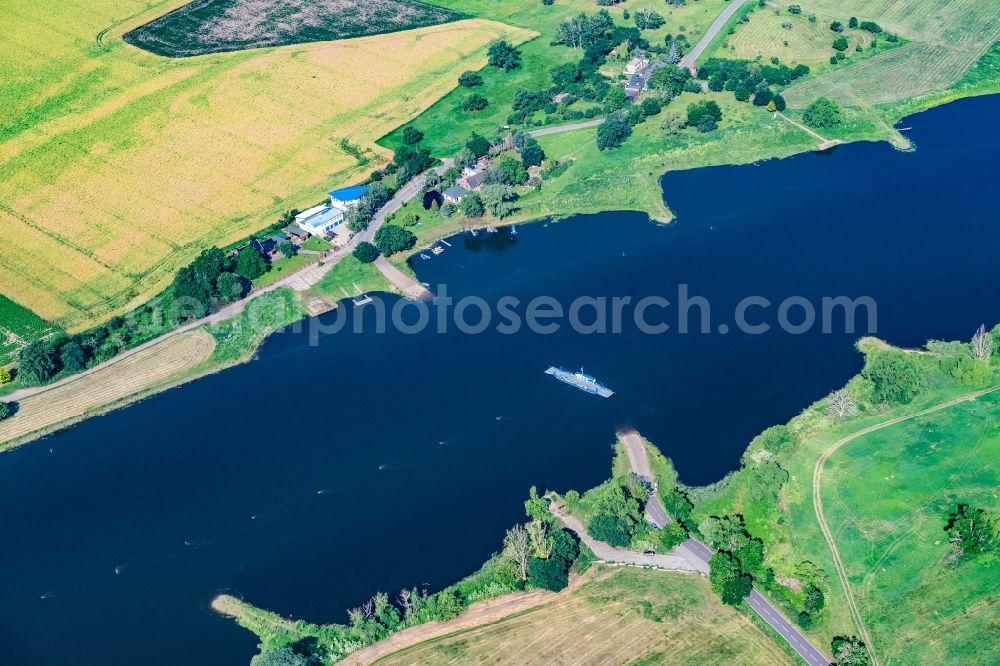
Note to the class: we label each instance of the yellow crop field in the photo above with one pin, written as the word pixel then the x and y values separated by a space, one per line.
pixel 622 616
pixel 118 166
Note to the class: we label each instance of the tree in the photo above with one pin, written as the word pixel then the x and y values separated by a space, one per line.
pixel 647 19
pixel 764 481
pixel 472 205
pixel 72 357
pixel 497 199
pixel 650 106
pixel 506 171
pixel 849 651
pixel 815 601
pixel 841 43
pixel 870 26
pixel 538 535
pixel 537 508
pixel 776 439
pixel 678 505
pixel 479 145
pixel 392 238
pixel 283 656
pixel 412 136
pixel 727 579
pixel 5 376
pixel 365 252
pixel 470 79
pixel 982 344
pixel 853 23
pixel 610 530
pixel 448 209
pixel 548 574
pixel 779 102
pixel 837 26
pixel 532 153
pixel 673 535
pixel 287 249
pixel 842 404
pixel 503 55
pixel 5 410
pixel 474 102
pixel 613 131
pixel 823 112
pixel 897 377
pixel 37 363
pixel 517 548
pixel 230 287
pixel 250 264
pixel 972 531
pixel 698 111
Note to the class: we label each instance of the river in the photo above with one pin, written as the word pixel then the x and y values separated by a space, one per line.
pixel 315 475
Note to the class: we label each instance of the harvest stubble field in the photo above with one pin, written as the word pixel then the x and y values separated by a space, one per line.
pixel 625 615
pixel 117 166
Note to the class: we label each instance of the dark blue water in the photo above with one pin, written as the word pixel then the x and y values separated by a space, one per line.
pixel 313 476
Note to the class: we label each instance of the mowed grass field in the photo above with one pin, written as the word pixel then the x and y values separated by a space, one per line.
pixel 946 38
pixel 624 616
pixel 887 497
pixel 127 378
pixel 117 166
pixel 807 42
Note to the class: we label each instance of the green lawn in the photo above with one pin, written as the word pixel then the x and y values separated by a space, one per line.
pixel 351 275
pixel 282 267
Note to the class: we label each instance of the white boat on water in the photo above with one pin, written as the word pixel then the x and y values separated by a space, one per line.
pixel 581 381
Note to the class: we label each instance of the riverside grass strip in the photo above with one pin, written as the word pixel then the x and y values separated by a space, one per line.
pixel 213 26
pixel 119 382
pixel 117 166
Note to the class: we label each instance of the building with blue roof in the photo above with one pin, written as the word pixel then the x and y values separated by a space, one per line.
pixel 346 197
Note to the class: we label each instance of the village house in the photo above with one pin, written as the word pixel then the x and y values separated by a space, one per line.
pixel 454 194
pixel 639 70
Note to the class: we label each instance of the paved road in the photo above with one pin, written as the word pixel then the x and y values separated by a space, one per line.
pixel 566 128
pixel 703 43
pixel 698 555
pixel 639 461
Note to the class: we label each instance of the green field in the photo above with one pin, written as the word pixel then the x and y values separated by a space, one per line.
pixel 886 496
pixel 18 327
pixel 946 38
pixel 621 616
pixel 213 26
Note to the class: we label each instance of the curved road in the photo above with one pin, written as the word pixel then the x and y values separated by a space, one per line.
pixel 698 554
pixel 719 23
pixel 818 501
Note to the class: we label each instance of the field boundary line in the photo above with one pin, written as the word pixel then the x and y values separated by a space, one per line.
pixel 818 499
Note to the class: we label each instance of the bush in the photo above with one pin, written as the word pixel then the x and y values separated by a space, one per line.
pixel 822 113
pixel 870 26
pixel 470 79
pixel 5 376
pixel 392 238
pixel 412 136
pixel 5 410
pixel 776 439
pixel 968 371
pixel 474 102
pixel 897 377
pixel 365 252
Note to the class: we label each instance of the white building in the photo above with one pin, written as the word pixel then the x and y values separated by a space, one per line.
pixel 324 219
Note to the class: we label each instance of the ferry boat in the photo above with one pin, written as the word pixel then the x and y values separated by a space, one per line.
pixel 581 381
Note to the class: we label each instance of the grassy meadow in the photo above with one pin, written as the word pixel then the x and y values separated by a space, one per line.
pixel 622 615
pixel 18 327
pixel 886 496
pixel 118 166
